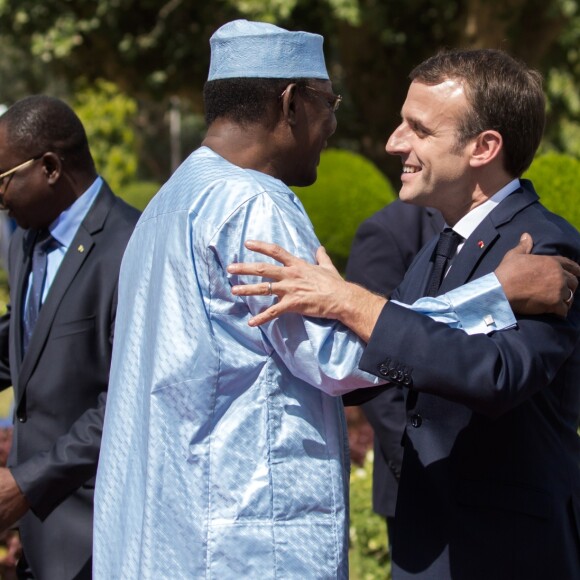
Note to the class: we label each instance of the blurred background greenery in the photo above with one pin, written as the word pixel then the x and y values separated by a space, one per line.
pixel 136 69
pixel 134 72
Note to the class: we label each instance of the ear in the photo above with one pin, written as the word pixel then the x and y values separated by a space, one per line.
pixel 486 147
pixel 289 103
pixel 52 167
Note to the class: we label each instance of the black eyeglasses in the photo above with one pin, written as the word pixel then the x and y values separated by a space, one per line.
pixel 333 100
pixel 10 172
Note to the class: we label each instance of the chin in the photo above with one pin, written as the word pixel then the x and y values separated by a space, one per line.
pixel 406 196
pixel 306 180
pixel 411 196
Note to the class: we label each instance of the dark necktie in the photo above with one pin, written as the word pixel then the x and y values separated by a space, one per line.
pixel 44 243
pixel 445 250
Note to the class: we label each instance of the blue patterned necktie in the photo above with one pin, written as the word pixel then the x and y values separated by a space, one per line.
pixel 445 250
pixel 44 243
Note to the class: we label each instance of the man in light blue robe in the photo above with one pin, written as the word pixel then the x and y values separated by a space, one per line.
pixel 224 452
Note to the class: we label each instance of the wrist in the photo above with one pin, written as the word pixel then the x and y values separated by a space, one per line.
pixel 360 310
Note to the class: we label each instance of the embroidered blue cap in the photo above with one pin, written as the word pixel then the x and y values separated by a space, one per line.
pixel 243 49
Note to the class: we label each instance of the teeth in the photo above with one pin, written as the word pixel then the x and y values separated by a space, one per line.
pixel 408 169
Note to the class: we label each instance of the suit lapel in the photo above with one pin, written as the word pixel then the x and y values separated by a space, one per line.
pixel 21 276
pixel 414 285
pixel 78 253
pixel 482 239
pixel 473 251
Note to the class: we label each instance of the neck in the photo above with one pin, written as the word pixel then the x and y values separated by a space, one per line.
pixel 251 146
pixel 483 189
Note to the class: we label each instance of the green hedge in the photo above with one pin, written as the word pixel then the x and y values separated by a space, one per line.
pixel 139 193
pixel 349 189
pixel 555 177
pixel 369 553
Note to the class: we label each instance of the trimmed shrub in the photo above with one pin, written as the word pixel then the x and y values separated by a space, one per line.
pixel 139 193
pixel 348 190
pixel 555 178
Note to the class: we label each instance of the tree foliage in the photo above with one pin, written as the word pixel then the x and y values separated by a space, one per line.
pixel 107 116
pixel 146 47
pixel 155 50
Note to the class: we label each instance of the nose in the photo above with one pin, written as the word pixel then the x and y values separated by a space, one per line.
pixel 398 142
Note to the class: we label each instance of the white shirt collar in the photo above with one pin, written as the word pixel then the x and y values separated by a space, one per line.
pixel 469 222
pixel 65 226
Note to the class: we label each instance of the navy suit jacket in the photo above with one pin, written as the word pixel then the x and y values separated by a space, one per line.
pixel 382 251
pixel 60 386
pixel 490 484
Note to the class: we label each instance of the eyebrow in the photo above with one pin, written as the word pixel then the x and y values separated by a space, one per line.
pixel 417 125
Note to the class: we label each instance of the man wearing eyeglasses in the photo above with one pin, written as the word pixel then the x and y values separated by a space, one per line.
pixel 224 450
pixel 55 340
pixel 223 454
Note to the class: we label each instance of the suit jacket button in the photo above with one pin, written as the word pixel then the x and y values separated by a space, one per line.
pixel 393 374
pixel 22 418
pixel 416 420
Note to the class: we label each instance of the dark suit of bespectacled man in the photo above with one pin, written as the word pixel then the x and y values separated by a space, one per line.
pixel 57 360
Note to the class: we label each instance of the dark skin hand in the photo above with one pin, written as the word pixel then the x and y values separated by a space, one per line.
pixel 13 504
pixel 532 283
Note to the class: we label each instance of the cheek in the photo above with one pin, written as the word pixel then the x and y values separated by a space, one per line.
pixel 333 124
pixel 326 128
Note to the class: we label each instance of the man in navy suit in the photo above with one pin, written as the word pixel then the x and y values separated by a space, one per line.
pixel 57 360
pixel 382 251
pixel 490 483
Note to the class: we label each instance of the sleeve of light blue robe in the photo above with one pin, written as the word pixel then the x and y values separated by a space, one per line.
pixel 479 307
pixel 324 352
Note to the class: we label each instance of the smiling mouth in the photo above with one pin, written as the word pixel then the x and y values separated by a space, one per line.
pixel 410 169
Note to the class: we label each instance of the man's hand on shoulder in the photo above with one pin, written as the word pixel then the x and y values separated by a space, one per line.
pixel 13 504
pixel 536 284
pixel 308 289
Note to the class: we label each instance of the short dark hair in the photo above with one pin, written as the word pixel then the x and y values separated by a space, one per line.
pixel 243 100
pixel 39 123
pixel 503 94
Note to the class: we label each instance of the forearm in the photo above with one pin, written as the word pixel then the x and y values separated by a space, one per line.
pixel 13 504
pixel 359 309
pixel 489 374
